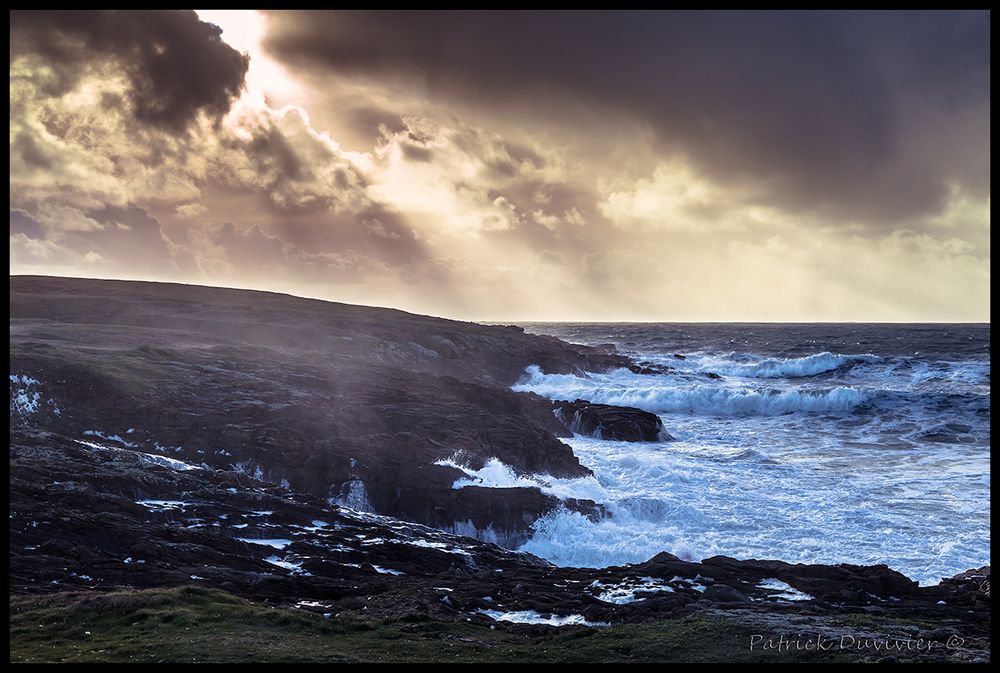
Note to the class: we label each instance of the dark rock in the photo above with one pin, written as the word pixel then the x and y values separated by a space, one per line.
pixel 721 593
pixel 650 368
pixel 971 586
pixel 85 538
pixel 351 403
pixel 351 408
pixel 610 422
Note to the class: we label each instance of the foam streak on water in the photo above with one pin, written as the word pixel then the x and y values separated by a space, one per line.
pixel 793 443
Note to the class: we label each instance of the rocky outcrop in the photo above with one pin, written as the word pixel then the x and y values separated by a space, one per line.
pixel 96 517
pixel 604 421
pixel 971 587
pixel 290 451
pixel 155 315
pixel 347 403
pixel 649 368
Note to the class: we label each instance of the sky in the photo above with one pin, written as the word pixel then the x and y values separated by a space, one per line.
pixel 514 166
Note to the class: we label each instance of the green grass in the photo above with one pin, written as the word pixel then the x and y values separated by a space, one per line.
pixel 190 624
pixel 126 373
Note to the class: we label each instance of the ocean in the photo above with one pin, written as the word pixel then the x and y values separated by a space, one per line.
pixel 811 443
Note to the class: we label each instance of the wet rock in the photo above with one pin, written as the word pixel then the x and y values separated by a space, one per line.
pixel 721 593
pixel 283 547
pixel 349 403
pixel 650 368
pixel 255 443
pixel 971 586
pixel 610 422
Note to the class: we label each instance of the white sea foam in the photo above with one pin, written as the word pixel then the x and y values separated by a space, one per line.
pixel 23 399
pixel 277 543
pixel 353 496
pixel 624 592
pixel 144 458
pixel 313 604
pixel 110 438
pixel 825 457
pixel 495 474
pixel 745 366
pixel 386 571
pixel 747 486
pixel 23 379
pixel 670 394
pixel 783 590
pixel 532 617
pixel 164 505
pixel 163 461
pixel 427 544
pixel 292 565
pixel 700 497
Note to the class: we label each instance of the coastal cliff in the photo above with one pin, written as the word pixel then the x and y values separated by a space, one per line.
pixel 188 446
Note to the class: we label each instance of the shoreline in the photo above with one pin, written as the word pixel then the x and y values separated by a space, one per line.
pixel 158 431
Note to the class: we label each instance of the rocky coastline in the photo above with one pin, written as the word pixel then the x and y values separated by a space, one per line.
pixel 303 455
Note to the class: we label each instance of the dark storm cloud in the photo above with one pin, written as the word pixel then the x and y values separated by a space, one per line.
pixel 176 64
pixel 371 230
pixel 274 156
pixel 845 112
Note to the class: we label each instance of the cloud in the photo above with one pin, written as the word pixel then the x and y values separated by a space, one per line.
pixel 63 220
pixel 830 112
pixel 112 238
pixel 611 166
pixel 249 248
pixel 279 153
pixel 84 149
pixel 554 222
pixel 248 254
pixel 458 179
pixel 190 210
pixel 23 223
pixel 674 198
pixel 176 65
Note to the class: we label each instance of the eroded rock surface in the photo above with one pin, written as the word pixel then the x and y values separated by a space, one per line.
pixel 98 516
pixel 344 402
pixel 605 421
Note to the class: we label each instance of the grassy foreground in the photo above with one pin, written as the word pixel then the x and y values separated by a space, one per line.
pixel 189 624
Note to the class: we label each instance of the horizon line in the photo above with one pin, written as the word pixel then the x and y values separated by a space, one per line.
pixel 514 321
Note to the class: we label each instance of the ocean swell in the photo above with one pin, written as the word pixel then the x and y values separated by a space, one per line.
pixel 666 394
pixel 803 367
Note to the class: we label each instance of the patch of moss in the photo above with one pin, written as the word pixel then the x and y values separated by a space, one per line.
pixel 122 373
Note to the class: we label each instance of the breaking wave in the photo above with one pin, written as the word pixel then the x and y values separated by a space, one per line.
pixel 810 365
pixel 665 394
pixel 809 443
